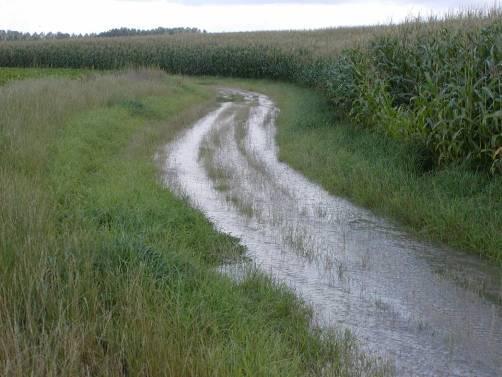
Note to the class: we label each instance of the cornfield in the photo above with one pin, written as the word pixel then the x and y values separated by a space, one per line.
pixel 436 83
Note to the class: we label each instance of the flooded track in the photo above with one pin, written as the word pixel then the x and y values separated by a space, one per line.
pixel 430 311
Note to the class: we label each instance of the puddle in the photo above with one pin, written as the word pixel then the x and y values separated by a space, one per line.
pixel 428 310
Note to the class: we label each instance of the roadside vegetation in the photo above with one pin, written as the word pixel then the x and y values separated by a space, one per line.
pixel 13 74
pixel 106 273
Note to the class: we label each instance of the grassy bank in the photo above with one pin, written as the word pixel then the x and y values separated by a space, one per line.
pixel 104 272
pixel 454 205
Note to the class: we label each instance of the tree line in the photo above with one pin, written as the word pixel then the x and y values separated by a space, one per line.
pixel 12 35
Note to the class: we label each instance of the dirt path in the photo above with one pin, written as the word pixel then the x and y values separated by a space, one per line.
pixel 430 311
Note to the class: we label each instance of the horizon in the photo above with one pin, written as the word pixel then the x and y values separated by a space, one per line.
pixel 217 16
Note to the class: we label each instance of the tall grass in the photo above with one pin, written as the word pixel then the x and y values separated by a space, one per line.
pixel 105 273
pixel 13 74
pixel 433 82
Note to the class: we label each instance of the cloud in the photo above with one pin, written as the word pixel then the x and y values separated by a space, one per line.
pixel 83 16
pixel 445 3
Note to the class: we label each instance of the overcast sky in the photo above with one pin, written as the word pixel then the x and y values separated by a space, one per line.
pixel 81 16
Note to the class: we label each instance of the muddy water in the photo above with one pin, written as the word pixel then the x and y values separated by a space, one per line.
pixel 430 311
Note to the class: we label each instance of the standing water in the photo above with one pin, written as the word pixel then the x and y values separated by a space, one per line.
pixel 430 311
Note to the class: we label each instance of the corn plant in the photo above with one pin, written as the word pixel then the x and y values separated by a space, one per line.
pixel 435 82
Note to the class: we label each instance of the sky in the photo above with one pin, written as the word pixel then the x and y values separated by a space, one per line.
pixel 85 16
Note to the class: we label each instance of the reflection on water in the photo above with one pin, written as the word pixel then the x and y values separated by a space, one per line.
pixel 431 311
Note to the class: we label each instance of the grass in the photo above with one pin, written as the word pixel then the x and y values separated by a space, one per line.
pixel 104 272
pixel 14 74
pixel 453 205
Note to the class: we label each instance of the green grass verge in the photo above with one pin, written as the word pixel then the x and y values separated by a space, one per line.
pixel 13 74
pixel 454 205
pixel 104 272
